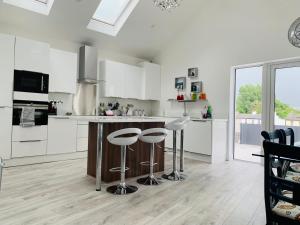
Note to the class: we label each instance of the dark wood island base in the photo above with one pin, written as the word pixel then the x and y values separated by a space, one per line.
pixel 111 153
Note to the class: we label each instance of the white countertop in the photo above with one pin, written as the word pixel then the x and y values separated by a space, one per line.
pixel 127 119
pixel 112 119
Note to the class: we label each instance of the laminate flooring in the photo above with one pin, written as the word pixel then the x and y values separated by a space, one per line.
pixel 60 193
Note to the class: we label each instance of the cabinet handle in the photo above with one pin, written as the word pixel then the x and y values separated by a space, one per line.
pixel 61 118
pixel 30 141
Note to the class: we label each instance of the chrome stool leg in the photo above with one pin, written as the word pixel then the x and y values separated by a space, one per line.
pixel 181 151
pixel 1 169
pixel 151 179
pixel 122 188
pixel 175 175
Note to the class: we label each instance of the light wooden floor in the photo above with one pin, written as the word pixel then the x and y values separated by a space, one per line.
pixel 60 193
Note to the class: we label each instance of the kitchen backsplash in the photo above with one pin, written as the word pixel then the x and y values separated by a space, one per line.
pixel 67 99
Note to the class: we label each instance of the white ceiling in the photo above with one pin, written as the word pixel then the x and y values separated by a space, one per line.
pixel 144 34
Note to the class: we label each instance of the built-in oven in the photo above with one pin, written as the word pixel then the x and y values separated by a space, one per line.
pixel 26 81
pixel 40 111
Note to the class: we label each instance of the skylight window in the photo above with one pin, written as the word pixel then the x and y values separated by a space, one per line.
pixel 38 6
pixel 110 16
pixel 109 11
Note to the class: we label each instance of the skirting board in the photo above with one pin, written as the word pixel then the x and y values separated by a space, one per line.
pixel 191 155
pixel 44 159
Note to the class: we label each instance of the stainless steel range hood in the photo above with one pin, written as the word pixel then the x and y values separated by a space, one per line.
pixel 87 65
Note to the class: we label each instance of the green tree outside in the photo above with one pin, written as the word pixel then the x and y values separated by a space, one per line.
pixel 249 101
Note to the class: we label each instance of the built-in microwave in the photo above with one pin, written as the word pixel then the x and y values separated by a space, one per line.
pixel 26 81
pixel 40 112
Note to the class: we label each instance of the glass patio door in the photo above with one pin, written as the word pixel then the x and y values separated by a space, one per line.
pixel 285 97
pixel 248 113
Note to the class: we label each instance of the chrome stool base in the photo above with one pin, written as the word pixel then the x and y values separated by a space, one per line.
pixel 149 181
pixel 121 190
pixel 174 176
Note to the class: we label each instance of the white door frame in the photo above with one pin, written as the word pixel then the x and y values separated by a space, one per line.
pixel 268 94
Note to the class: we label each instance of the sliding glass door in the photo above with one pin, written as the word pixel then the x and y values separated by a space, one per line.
pixel 265 96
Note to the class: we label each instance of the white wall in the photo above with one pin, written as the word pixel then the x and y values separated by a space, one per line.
pixel 224 34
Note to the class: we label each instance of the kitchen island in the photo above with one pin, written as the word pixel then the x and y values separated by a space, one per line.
pixel 102 156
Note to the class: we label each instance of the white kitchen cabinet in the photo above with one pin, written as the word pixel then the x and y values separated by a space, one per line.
pixel 62 135
pixel 111 79
pixel 63 71
pixel 29 141
pixel 120 80
pixel 7 43
pixel 152 80
pixel 82 137
pixel 32 55
pixel 28 148
pixel 5 132
pixel 34 133
pixel 133 82
pixel 198 137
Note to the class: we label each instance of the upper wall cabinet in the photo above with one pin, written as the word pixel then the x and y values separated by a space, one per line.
pixel 127 81
pixel 120 80
pixel 111 79
pixel 63 71
pixel 31 55
pixel 7 44
pixel 152 78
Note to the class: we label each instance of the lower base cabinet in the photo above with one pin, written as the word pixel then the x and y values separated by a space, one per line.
pixel 198 137
pixel 62 135
pixel 5 132
pixel 28 148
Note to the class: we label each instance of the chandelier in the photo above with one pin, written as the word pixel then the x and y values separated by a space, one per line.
pixel 167 4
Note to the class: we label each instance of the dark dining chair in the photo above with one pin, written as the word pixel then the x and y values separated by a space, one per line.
pixel 282 196
pixel 276 137
pixel 287 134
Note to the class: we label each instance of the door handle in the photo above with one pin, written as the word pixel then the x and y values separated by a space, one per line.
pixel 30 141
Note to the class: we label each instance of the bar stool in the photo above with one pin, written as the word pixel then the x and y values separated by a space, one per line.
pixel 151 136
pixel 177 125
pixel 115 139
pixel 1 169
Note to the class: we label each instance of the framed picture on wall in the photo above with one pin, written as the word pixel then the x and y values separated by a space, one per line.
pixel 180 83
pixel 196 87
pixel 193 72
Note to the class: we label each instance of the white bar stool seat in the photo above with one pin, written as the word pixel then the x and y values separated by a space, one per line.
pixel 116 139
pixel 175 126
pixel 151 136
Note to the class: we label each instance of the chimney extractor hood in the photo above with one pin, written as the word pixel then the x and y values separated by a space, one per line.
pixel 88 65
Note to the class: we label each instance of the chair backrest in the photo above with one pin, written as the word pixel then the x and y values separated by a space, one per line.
pixel 153 135
pixel 117 139
pixel 275 136
pixel 289 132
pixel 275 185
pixel 178 124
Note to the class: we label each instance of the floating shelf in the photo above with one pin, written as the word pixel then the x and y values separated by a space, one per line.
pixel 188 100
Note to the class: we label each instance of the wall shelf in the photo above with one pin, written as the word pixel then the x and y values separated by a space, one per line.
pixel 185 103
pixel 187 100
